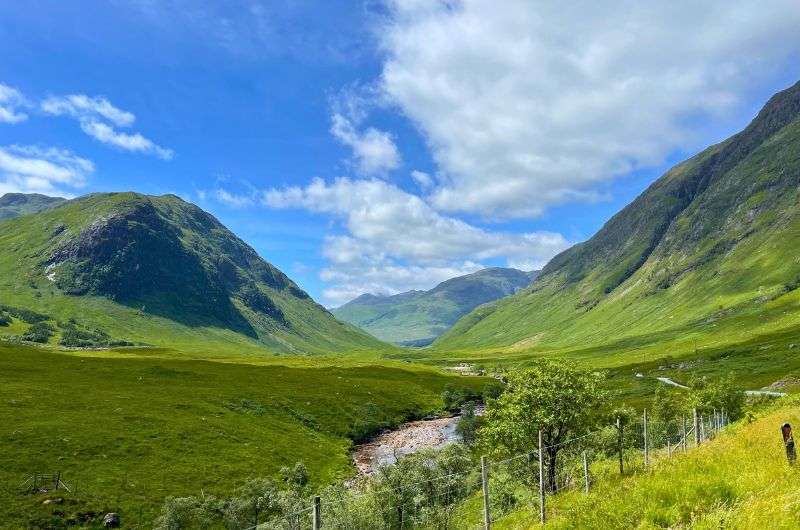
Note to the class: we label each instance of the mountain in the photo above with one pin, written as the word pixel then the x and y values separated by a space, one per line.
pixel 16 204
pixel 706 255
pixel 159 271
pixel 416 318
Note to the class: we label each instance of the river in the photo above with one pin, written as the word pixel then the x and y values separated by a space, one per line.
pixel 408 438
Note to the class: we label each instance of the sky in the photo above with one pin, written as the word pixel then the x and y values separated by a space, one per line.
pixel 383 145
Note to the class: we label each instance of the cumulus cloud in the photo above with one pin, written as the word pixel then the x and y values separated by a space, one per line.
pixel 539 103
pixel 30 169
pixel 396 241
pixel 11 100
pixel 374 150
pixel 98 117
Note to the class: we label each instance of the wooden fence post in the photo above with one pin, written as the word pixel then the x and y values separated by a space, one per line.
pixel 644 435
pixel 585 473
pixel 316 514
pixel 487 517
pixel 696 419
pixel 541 479
pixel 788 441
pixel 619 445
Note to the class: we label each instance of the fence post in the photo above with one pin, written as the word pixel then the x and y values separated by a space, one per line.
pixel 487 518
pixel 541 479
pixel 619 445
pixel 683 433
pixel 585 473
pixel 696 419
pixel 788 441
pixel 316 514
pixel 644 434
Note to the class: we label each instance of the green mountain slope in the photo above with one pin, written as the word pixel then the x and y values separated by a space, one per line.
pixel 416 318
pixel 16 204
pixel 159 271
pixel 707 255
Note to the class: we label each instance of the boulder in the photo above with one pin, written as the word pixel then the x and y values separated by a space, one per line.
pixel 111 520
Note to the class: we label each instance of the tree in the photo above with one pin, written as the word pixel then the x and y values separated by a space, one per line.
pixel 717 394
pixel 468 425
pixel 555 398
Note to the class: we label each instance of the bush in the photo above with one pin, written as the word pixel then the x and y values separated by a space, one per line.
pixel 5 320
pixel 468 425
pixel 26 315
pixel 39 332
pixel 718 394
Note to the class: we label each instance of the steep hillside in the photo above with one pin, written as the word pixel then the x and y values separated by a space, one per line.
pixel 416 318
pixel 16 204
pixel 707 255
pixel 158 271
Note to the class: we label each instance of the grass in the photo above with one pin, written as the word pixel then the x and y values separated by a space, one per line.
pixel 739 480
pixel 704 259
pixel 130 427
pixel 161 272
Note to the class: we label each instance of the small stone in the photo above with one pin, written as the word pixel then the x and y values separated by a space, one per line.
pixel 111 520
pixel 58 500
pixel 792 346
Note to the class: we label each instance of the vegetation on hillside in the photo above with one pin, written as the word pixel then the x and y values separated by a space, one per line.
pixel 160 271
pixel 416 318
pixel 17 204
pixel 128 428
pixel 703 258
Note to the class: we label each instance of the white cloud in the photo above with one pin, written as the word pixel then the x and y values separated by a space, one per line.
pixel 422 179
pixel 539 103
pixel 374 151
pixel 129 142
pixel 29 169
pixel 10 101
pixel 396 241
pixel 81 106
pixel 94 116
pixel 235 200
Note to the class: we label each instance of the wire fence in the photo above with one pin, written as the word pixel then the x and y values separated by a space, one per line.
pixel 449 490
pixel 478 496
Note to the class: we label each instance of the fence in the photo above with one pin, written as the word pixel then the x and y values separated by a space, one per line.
pixel 449 490
pixel 477 496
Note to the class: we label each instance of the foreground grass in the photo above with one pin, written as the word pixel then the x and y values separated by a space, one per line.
pixel 739 480
pixel 130 429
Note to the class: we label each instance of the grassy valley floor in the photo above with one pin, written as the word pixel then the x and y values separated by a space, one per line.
pixel 131 427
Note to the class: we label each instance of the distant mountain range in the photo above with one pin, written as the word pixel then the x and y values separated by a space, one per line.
pixel 16 204
pixel 708 252
pixel 416 318
pixel 158 271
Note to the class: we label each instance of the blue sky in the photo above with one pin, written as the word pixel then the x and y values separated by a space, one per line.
pixel 382 146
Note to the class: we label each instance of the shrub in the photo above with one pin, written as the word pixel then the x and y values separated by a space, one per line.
pixel 39 332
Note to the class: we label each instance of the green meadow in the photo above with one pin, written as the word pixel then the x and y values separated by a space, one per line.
pixel 128 428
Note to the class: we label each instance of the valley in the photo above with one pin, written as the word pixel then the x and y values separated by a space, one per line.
pixel 148 354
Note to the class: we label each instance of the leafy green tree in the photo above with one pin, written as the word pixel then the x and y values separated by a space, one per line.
pixel 556 398
pixel 719 394
pixel 468 425
pixel 253 502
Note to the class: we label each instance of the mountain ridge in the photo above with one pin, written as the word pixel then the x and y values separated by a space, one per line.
pixel 710 217
pixel 160 258
pixel 16 204
pixel 416 317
